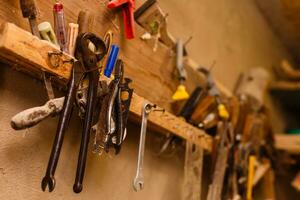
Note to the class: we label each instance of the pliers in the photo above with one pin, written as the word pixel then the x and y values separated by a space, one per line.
pixel 84 67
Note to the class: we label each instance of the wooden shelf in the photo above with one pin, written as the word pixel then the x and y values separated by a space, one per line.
pixel 289 143
pixel 30 54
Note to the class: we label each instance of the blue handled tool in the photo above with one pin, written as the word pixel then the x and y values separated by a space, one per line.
pixel 111 61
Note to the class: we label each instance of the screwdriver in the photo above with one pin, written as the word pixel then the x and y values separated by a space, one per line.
pixel 29 11
pixel 60 26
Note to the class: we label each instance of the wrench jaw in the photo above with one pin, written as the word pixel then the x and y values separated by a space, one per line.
pixel 48 181
pixel 138 183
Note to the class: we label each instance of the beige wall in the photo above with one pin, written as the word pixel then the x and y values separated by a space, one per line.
pixel 232 32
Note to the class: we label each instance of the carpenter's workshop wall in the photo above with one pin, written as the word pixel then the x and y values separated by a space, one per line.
pixel 232 32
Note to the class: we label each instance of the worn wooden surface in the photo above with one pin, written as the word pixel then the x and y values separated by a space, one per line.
pixel 221 30
pixel 289 143
pixel 19 46
pixel 24 155
pixel 153 73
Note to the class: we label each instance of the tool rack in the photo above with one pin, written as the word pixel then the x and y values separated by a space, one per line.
pixel 29 54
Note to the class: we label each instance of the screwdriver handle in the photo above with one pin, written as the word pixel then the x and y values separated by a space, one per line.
pixel 33 116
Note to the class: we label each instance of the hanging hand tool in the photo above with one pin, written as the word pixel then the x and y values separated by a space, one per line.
pixel 85 21
pixel 85 65
pixel 111 127
pixel 138 182
pixel 225 133
pixel 47 33
pixel 89 60
pixel 29 11
pixel 186 113
pixel 151 17
pixel 33 116
pixel 209 103
pixel 191 103
pixel 107 117
pixel 60 26
pixel 125 94
pixel 127 7
pixel 181 93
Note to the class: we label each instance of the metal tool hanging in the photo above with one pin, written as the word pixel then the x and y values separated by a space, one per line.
pixel 138 182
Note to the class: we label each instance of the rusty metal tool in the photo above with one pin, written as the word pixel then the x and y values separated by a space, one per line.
pixel 125 95
pixel 29 11
pixel 107 118
pixel 85 65
pixel 216 187
pixel 111 127
pixel 90 60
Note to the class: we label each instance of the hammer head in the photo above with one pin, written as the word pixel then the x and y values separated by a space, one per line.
pixel 28 8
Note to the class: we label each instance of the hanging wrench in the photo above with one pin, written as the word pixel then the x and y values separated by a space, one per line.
pixel 138 183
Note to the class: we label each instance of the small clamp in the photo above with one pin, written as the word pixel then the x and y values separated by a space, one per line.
pixel 128 7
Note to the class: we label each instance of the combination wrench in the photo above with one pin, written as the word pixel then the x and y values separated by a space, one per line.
pixel 138 182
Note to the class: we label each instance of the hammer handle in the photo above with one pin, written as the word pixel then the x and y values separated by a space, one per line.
pixel 85 22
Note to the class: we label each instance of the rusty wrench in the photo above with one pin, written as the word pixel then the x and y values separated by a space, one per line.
pixel 86 64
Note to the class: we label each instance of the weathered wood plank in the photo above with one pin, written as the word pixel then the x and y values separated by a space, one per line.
pixel 152 72
pixel 167 123
pixel 19 46
pixel 289 143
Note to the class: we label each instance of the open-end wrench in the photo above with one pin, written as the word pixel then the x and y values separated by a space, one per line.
pixel 76 75
pixel 85 65
pixel 138 183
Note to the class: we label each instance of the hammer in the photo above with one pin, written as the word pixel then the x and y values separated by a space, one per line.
pixel 29 11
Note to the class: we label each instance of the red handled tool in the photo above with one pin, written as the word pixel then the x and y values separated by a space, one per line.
pixel 128 7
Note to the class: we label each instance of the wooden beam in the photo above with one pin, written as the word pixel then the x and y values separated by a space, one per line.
pixel 31 55
pixel 284 85
pixel 289 143
pixel 149 70
pixel 166 122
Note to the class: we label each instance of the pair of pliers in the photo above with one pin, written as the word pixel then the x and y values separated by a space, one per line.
pixel 84 67
pixel 114 113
